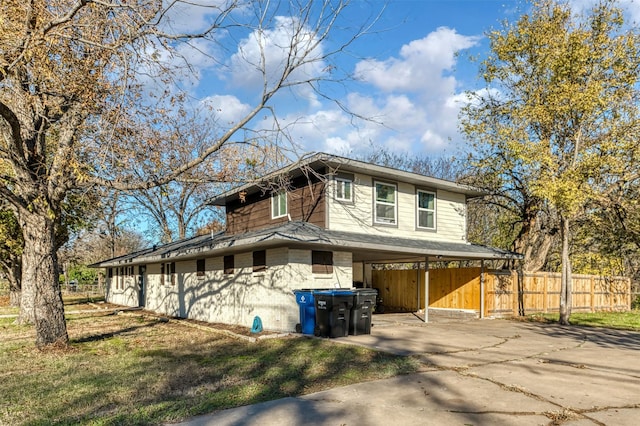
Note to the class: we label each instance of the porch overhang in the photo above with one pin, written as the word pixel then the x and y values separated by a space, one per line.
pixel 364 247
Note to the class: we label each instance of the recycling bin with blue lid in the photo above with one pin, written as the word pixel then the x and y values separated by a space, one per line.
pixel 305 301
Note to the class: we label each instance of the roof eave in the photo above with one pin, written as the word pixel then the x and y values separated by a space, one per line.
pixel 347 164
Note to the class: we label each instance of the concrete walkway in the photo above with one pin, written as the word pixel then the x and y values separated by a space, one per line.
pixel 486 372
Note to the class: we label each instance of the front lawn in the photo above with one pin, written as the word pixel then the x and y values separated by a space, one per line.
pixel 138 369
pixel 621 320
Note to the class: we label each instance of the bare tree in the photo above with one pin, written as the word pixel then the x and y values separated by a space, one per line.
pixel 75 110
pixel 178 208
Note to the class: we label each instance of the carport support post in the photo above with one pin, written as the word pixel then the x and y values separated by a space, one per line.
pixel 482 288
pixel 426 289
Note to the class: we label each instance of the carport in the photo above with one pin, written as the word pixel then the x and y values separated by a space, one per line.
pixel 370 250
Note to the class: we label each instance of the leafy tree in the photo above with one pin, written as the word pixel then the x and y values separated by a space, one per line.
pixel 560 114
pixel 11 243
pixel 83 84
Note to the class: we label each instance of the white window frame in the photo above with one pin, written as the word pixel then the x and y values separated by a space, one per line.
pixel 422 209
pixel 275 198
pixel 342 183
pixel 385 221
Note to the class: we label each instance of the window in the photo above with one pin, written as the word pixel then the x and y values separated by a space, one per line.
pixel 200 268
pixel 110 272
pixel 259 261
pixel 278 205
pixel 229 265
pixel 344 189
pixel 385 203
pixel 172 270
pixel 426 210
pixel 168 273
pixel 322 262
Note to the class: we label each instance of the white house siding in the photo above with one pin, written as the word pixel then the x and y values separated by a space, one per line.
pixel 240 297
pixel 451 215
pixel 358 216
pixel 123 290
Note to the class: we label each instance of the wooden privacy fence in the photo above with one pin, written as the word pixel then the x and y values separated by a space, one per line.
pixel 505 293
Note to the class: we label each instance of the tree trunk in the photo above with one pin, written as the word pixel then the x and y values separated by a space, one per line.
pixel 565 286
pixel 14 286
pixel 41 301
pixel 536 237
pixel 14 298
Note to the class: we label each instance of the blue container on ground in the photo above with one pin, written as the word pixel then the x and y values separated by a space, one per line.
pixel 333 309
pixel 305 301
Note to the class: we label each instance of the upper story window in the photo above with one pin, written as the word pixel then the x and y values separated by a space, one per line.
pixel 426 208
pixel 344 189
pixel 385 210
pixel 279 204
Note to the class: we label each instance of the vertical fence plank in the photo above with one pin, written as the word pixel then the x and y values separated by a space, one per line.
pixel 460 289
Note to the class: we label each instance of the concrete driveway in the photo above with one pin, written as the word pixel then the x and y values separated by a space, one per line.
pixel 486 372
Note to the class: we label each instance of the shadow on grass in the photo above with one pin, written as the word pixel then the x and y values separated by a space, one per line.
pixel 156 372
pixel 82 300
pixel 109 335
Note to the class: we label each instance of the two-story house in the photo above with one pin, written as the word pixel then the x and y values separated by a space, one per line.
pixel 319 223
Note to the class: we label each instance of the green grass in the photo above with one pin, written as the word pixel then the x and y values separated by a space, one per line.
pixel 135 369
pixel 72 301
pixel 620 320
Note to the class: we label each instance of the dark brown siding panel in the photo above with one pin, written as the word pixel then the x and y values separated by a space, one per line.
pixel 308 204
pixel 305 203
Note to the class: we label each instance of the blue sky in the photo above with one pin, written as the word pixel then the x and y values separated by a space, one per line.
pixel 412 72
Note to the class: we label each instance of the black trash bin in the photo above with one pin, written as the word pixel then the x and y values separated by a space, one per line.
pixel 364 303
pixel 333 309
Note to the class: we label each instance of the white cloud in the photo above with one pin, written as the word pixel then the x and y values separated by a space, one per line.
pixel 421 63
pixel 264 55
pixel 227 109
pixel 630 7
pixel 417 100
pixel 196 15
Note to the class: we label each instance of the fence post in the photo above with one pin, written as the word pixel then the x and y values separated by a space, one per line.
pixel 545 294
pixel 611 296
pixel 515 297
pixel 593 289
